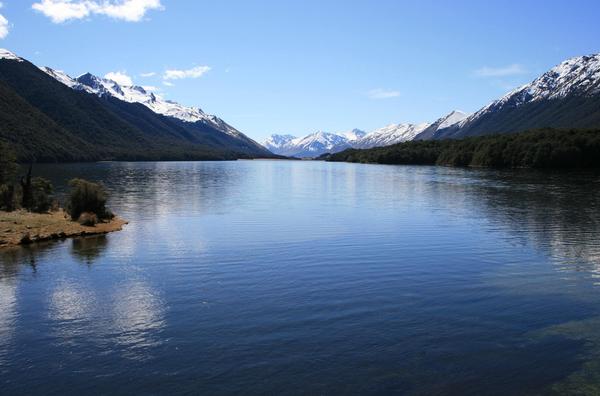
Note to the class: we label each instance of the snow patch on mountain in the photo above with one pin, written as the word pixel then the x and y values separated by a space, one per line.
pixel 6 54
pixel 61 77
pixel 353 135
pixel 135 94
pixel 451 119
pixel 391 134
pixel 278 142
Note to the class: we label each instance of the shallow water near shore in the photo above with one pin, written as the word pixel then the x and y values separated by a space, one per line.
pixel 305 277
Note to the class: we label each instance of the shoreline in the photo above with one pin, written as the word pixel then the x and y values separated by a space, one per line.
pixel 23 228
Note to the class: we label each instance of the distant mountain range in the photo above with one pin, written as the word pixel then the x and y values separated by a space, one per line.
pixel 567 96
pixel 49 116
pixel 318 143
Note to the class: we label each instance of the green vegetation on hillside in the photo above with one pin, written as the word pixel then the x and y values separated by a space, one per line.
pixel 546 148
pixel 43 120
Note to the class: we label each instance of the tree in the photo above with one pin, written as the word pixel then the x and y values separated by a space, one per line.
pixel 8 164
pixel 8 171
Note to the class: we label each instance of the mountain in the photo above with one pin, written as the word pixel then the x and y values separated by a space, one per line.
pixel 278 143
pixel 391 134
pixel 319 143
pixel 442 123
pixel 49 116
pixel 353 135
pixel 311 145
pixel 567 96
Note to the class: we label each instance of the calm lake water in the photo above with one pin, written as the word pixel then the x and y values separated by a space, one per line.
pixel 277 277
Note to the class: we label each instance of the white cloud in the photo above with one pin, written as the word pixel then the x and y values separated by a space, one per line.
pixel 194 72
pixel 510 70
pixel 129 10
pixel 3 26
pixel 120 78
pixel 150 74
pixel 380 93
pixel 60 11
pixel 168 84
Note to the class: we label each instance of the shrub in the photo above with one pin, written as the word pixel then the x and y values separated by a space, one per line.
pixel 7 197
pixel 88 197
pixel 41 191
pixel 88 219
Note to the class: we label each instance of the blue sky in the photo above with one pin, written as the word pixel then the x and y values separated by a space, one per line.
pixel 299 66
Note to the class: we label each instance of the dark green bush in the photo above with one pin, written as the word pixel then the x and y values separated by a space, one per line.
pixel 7 197
pixel 41 195
pixel 88 197
pixel 8 171
pixel 8 164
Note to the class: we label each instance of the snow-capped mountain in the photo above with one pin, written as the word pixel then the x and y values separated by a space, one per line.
pixel 136 94
pixel 278 143
pixel 391 134
pixel 311 145
pixel 353 135
pixel 560 97
pixel 447 121
pixel 319 143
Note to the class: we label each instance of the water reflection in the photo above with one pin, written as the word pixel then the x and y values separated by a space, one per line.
pixel 8 317
pixel 12 260
pixel 89 249
pixel 557 214
pixel 137 318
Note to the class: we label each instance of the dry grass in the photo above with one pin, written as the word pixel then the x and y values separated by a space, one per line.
pixel 22 227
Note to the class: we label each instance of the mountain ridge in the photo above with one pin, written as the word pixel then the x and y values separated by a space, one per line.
pixel 101 125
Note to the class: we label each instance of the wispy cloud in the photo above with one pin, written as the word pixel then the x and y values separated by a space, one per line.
pixel 168 84
pixel 380 93
pixel 149 74
pixel 194 72
pixel 510 70
pixel 120 77
pixel 60 11
pixel 3 25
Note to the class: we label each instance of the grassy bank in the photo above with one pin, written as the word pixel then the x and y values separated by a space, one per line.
pixel 547 148
pixel 21 227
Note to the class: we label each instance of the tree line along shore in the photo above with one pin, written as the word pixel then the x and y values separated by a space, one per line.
pixel 543 148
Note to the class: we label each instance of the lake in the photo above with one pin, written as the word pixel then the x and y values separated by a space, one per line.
pixel 306 277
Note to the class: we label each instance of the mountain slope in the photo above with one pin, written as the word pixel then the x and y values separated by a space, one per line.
pixel 442 123
pixel 391 134
pixel 567 96
pixel 93 126
pixel 34 135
